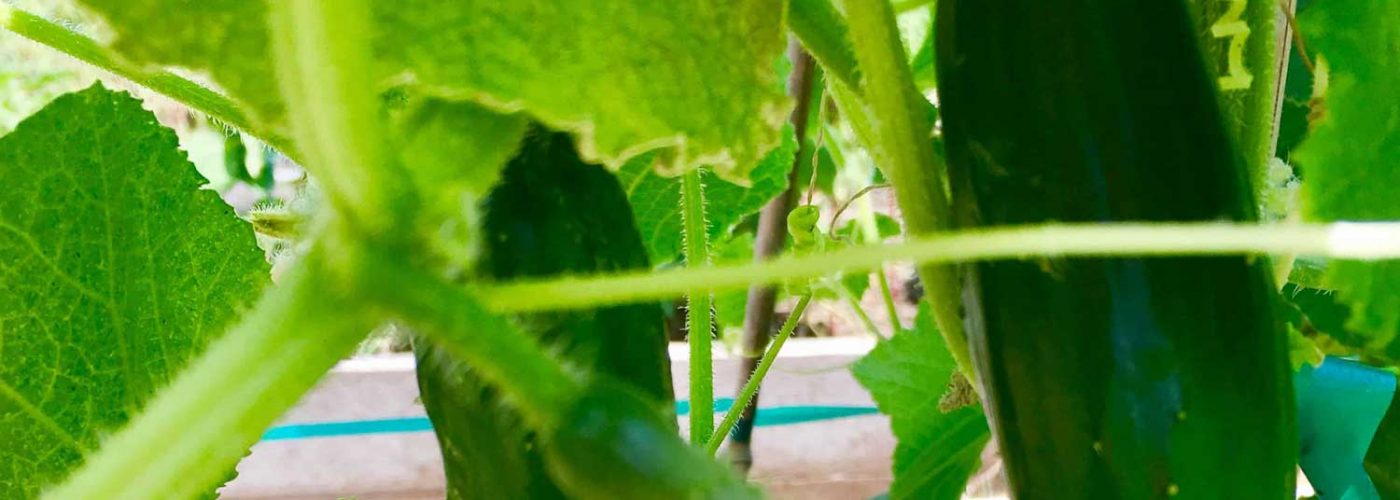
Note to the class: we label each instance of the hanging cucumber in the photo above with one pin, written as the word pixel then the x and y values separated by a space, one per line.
pixel 550 214
pixel 1110 378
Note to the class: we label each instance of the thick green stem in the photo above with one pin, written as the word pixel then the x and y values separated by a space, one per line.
pixel 751 387
pixel 698 319
pixel 823 33
pixel 191 435
pixel 1357 240
pixel 899 138
pixel 496 348
pixel 324 69
pixel 174 86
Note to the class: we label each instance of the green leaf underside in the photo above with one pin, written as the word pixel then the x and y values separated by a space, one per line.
pixel 936 451
pixel 115 270
pixel 453 152
pixel 656 199
pixel 1351 161
pixel 640 75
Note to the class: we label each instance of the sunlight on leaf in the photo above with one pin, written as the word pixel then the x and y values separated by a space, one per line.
pixel 115 270
pixel 640 75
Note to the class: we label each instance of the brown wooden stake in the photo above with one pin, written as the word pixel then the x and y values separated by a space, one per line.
pixel 768 243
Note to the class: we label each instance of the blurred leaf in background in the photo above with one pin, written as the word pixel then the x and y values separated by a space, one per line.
pixel 656 199
pixel 936 451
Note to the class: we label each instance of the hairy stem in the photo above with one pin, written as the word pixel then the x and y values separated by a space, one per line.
pixel 750 389
pixel 1356 240
pixel 323 68
pixel 899 138
pixel 497 349
pixel 222 403
pixel 698 319
pixel 768 243
pixel 189 93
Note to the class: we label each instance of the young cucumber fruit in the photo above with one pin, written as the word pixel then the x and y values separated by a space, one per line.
pixel 1110 378
pixel 550 214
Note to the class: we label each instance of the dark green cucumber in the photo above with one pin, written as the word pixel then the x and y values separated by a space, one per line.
pixel 612 446
pixel 550 214
pixel 1110 378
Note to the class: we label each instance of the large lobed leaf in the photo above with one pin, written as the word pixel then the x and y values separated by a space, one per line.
pixel 656 199
pixel 115 270
pixel 693 76
pixel 906 375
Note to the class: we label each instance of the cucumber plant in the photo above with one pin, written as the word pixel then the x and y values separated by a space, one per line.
pixel 1082 205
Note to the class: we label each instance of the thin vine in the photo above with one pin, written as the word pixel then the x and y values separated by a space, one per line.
pixel 750 388
pixel 1353 240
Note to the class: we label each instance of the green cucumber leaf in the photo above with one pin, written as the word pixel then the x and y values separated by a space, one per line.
pixel 227 38
pixel 1330 316
pixel 639 74
pixel 625 76
pixel 451 147
pixel 656 199
pixel 453 152
pixel 1351 160
pixel 115 270
pixel 1350 165
pixel 1372 290
pixel 1382 460
pixel 906 375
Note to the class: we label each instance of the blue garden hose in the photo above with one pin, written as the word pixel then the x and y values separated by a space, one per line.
pixel 1340 405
